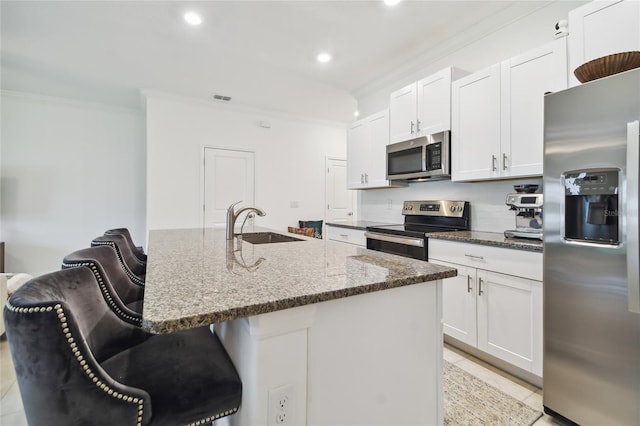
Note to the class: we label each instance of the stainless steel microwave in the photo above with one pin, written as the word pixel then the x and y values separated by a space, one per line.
pixel 425 158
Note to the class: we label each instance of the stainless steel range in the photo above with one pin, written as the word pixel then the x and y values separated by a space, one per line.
pixel 420 218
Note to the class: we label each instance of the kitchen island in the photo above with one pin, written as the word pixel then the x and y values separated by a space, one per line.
pixel 321 332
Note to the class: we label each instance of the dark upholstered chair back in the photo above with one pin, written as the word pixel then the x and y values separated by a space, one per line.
pixel 121 294
pixel 59 323
pixel 134 268
pixel 78 363
pixel 137 251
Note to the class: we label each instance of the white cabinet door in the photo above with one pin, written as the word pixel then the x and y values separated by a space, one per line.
pixel 402 114
pixel 601 28
pixel 459 304
pixel 525 79
pixel 376 167
pixel 357 149
pixel 510 318
pixel 434 101
pixel 475 129
pixel 346 235
pixel 366 152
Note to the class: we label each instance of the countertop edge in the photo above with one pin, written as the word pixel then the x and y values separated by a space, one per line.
pixel 513 244
pixel 159 327
pixel 360 225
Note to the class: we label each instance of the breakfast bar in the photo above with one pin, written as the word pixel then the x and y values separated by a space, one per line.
pixel 320 332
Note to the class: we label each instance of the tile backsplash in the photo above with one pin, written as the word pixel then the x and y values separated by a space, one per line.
pixel 488 210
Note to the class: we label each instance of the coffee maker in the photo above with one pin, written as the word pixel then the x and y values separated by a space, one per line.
pixel 528 207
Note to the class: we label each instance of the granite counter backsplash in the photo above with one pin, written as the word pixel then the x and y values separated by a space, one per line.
pixel 194 279
pixel 495 239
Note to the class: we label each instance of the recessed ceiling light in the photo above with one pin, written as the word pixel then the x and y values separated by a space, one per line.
pixel 193 18
pixel 391 2
pixel 324 57
pixel 356 113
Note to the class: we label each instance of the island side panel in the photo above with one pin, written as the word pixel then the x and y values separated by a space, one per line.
pixel 376 359
pixel 269 352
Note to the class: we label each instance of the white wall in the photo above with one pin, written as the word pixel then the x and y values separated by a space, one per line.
pixel 289 159
pixel 70 170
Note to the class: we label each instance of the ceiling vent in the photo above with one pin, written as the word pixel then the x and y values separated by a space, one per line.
pixel 222 98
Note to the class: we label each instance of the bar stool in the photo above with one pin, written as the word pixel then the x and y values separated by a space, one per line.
pixel 79 363
pixel 123 296
pixel 133 267
pixel 137 251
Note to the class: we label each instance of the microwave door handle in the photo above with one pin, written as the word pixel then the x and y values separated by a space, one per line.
pixel 631 216
pixel 424 158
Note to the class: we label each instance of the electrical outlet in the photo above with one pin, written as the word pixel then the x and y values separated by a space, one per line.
pixel 281 406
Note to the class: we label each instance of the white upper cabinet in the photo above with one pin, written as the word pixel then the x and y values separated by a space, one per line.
pixel 357 146
pixel 403 117
pixel 422 108
pixel 525 79
pixel 601 28
pixel 498 115
pixel 367 140
pixel 475 125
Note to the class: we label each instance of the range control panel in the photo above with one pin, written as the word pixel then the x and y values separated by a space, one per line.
pixel 434 208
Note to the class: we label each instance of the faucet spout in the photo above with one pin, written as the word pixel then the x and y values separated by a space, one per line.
pixel 232 216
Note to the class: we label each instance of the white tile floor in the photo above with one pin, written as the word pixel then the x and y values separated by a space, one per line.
pixel 12 413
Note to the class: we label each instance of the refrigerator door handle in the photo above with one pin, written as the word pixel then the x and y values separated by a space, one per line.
pixel 631 215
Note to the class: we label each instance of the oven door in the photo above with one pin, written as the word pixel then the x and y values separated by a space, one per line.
pixel 413 247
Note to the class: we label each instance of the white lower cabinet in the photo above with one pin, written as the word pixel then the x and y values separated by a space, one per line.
pixel 498 313
pixel 346 235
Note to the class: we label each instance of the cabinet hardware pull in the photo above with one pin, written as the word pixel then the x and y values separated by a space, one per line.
pixel 417 126
pixel 480 292
pixel 504 161
pixel 361 178
pixel 475 257
pixel 366 178
pixel 344 235
pixel 494 167
pixel 469 284
pixel 411 126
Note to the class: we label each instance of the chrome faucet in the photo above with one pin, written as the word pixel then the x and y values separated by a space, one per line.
pixel 232 216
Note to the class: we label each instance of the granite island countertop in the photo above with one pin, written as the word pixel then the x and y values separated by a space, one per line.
pixel 193 279
pixel 496 239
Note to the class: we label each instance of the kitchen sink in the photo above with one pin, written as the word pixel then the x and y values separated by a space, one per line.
pixel 266 238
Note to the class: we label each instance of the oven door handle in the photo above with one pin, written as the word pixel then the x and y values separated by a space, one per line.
pixel 416 242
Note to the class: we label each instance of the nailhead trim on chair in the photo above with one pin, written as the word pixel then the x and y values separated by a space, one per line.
pixel 76 352
pixel 212 418
pixel 114 246
pixel 130 318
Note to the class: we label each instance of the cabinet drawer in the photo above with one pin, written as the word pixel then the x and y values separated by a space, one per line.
pixel 520 263
pixel 346 235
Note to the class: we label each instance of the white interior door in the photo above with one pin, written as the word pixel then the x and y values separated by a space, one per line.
pixel 339 198
pixel 228 177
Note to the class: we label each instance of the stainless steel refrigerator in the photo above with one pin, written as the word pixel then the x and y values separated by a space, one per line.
pixel 591 367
